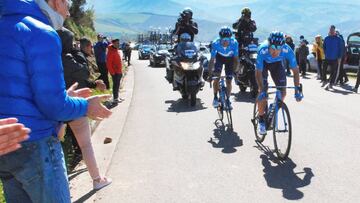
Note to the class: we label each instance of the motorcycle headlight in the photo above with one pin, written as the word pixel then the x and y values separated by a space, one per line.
pixel 253 56
pixel 189 66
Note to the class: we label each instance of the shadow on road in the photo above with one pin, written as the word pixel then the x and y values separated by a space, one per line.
pixel 282 175
pixel 225 138
pixel 183 106
pixel 244 97
pixel 86 196
pixel 345 90
pixel 74 174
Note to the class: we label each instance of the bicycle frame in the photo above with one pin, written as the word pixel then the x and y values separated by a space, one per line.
pixel 272 113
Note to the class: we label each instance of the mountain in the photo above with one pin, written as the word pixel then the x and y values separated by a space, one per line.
pixel 294 17
pixel 129 24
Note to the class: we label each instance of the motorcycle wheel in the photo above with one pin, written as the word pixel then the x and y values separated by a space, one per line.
pixel 193 99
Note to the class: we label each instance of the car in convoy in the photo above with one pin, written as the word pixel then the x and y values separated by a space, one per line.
pixel 144 51
pixel 353 51
pixel 158 54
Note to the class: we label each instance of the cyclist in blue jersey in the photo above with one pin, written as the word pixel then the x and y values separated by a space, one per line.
pixel 271 55
pixel 224 51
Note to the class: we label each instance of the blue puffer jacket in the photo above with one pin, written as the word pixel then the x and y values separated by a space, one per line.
pixel 32 86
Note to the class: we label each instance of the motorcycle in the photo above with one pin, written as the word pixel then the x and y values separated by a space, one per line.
pixel 187 70
pixel 245 77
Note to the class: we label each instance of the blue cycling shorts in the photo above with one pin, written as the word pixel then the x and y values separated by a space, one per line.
pixel 220 61
pixel 277 72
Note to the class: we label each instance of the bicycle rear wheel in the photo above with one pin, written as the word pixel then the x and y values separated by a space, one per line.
pixel 255 122
pixel 282 131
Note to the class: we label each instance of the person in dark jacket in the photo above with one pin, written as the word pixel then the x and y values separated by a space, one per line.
pixel 76 69
pixel 186 24
pixel 100 55
pixel 245 27
pixel 33 91
pixel 127 53
pixel 333 49
pixel 289 41
pixel 302 52
pixel 342 77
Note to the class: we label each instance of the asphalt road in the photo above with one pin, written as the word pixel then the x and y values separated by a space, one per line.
pixel 171 152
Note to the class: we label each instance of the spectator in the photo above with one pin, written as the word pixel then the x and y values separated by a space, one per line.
pixel 34 92
pixel 302 51
pixel 320 55
pixel 333 52
pixel 76 69
pixel 11 134
pixel 357 81
pixel 114 66
pixel 342 77
pixel 127 53
pixel 302 38
pixel 289 41
pixel 100 55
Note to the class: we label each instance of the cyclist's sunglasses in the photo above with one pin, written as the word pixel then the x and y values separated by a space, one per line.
pixel 226 39
pixel 277 47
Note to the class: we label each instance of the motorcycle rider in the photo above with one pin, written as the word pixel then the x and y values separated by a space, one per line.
pixel 186 24
pixel 245 27
pixel 271 55
pixel 224 51
pixel 183 44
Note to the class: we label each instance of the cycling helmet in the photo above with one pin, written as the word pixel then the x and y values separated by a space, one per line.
pixel 187 11
pixel 185 37
pixel 246 12
pixel 225 32
pixel 277 39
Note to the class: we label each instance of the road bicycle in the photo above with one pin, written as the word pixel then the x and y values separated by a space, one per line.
pixel 224 102
pixel 278 120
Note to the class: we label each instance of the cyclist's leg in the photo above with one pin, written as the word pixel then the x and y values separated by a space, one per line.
pixel 278 74
pixel 229 72
pixel 219 62
pixel 262 104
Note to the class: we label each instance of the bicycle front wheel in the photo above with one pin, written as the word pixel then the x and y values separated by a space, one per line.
pixel 229 117
pixel 255 122
pixel 282 131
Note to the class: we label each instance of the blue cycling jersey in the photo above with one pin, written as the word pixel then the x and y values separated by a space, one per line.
pixel 264 56
pixel 230 51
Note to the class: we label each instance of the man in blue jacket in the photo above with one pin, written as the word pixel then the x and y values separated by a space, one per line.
pixel 33 91
pixel 333 52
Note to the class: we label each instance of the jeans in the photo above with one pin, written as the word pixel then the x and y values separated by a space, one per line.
pixel 358 78
pixel 35 173
pixel 116 84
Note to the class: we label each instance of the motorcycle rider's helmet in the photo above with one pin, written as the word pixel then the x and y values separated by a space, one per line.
pixel 276 40
pixel 246 12
pixel 225 32
pixel 187 12
pixel 185 37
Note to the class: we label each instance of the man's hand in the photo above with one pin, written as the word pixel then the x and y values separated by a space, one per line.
pixel 96 110
pixel 83 92
pixel 100 85
pixel 298 93
pixel 11 134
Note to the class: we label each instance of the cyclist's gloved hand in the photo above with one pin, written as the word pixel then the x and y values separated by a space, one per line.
pixel 298 94
pixel 262 96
